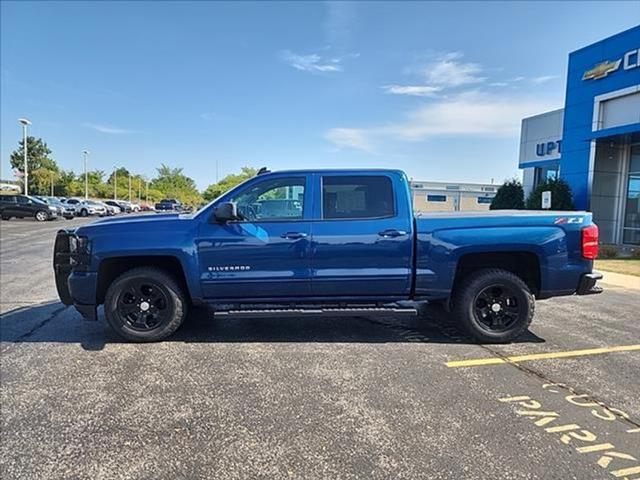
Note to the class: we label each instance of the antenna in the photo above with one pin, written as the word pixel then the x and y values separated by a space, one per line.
pixel 263 170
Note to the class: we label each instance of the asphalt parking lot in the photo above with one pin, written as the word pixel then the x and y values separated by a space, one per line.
pixel 311 398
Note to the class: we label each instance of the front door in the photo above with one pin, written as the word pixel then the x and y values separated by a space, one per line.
pixel 362 236
pixel 265 255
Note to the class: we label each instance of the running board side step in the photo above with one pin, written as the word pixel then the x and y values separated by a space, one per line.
pixel 326 312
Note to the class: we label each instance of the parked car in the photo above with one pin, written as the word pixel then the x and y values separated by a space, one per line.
pixel 117 204
pixel 72 202
pixel 134 207
pixel 169 205
pixel 111 209
pixel 145 207
pixel 64 210
pixel 21 206
pixel 348 244
pixel 90 207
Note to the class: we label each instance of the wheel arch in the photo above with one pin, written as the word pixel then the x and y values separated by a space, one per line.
pixel 112 267
pixel 524 264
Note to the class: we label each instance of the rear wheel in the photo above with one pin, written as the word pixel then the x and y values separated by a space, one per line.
pixel 493 306
pixel 83 213
pixel 42 216
pixel 145 304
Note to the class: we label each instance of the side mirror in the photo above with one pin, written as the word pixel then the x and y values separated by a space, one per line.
pixel 226 212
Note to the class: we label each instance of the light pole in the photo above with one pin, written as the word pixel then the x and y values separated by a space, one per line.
pixel 115 183
pixel 129 187
pixel 146 194
pixel 24 122
pixel 52 184
pixel 86 175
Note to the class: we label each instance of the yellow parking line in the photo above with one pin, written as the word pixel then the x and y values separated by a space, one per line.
pixel 540 356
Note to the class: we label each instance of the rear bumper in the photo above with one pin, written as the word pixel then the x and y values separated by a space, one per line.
pixel 587 285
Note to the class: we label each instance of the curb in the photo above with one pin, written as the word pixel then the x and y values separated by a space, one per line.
pixel 620 280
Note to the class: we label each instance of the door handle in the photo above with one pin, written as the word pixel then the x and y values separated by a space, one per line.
pixel 392 233
pixel 294 235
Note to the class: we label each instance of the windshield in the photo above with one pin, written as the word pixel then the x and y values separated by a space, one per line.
pixel 37 200
pixel 206 206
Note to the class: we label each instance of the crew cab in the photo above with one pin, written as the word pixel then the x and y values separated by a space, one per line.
pixel 334 242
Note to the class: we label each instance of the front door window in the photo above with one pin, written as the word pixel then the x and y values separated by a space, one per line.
pixel 631 231
pixel 277 199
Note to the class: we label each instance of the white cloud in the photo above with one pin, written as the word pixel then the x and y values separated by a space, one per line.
pixel 466 114
pixel 351 138
pixel 108 129
pixel 449 71
pixel 498 84
pixel 311 63
pixel 544 78
pixel 415 90
pixel 207 116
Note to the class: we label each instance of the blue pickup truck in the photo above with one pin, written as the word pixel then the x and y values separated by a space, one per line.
pixel 328 242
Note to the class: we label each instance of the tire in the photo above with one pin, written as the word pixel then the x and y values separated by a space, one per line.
pixel 83 213
pixel 136 296
pixel 41 216
pixel 5 217
pixel 493 306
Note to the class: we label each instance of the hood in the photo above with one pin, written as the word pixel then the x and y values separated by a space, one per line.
pixel 135 219
pixel 128 223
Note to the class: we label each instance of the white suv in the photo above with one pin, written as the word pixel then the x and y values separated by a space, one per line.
pixel 90 207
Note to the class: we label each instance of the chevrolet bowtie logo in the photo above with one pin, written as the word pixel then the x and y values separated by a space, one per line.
pixel 601 70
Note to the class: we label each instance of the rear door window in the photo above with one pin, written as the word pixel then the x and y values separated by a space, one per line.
pixel 357 197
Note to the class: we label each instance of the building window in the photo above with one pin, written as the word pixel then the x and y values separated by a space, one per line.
pixel 453 187
pixel 484 200
pixel 436 198
pixel 631 234
pixel 546 173
pixel 488 189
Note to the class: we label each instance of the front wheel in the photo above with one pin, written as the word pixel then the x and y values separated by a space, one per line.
pixel 493 306
pixel 145 304
pixel 42 216
pixel 83 213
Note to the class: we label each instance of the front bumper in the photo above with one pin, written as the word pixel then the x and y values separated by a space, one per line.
pixel 74 287
pixel 587 285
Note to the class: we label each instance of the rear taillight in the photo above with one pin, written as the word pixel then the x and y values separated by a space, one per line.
pixel 590 242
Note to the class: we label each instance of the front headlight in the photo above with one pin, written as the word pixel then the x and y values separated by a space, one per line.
pixel 80 250
pixel 52 208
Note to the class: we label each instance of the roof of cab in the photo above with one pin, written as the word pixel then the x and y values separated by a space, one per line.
pixel 339 171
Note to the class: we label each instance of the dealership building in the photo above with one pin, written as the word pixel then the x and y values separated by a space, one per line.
pixel 594 141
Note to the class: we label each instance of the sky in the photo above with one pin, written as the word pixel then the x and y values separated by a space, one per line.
pixel 436 89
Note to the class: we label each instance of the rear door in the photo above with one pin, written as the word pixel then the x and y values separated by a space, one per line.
pixel 25 207
pixel 362 235
pixel 266 255
pixel 8 203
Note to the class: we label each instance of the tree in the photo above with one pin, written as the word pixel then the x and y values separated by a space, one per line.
pixel 561 195
pixel 510 195
pixel 227 183
pixel 40 181
pixel 175 184
pixel 38 156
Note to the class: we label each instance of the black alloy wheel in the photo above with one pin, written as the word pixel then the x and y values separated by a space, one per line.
pixel 145 304
pixel 493 305
pixel 496 307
